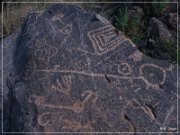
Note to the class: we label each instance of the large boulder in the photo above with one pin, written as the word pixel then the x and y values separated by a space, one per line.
pixel 66 70
pixel 158 31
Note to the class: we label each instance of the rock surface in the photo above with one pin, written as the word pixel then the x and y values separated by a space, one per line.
pixel 159 31
pixel 171 20
pixel 67 70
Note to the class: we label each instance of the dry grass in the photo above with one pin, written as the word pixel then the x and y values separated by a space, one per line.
pixel 14 14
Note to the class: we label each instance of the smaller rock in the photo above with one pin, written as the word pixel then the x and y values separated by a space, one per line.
pixel 171 20
pixel 158 31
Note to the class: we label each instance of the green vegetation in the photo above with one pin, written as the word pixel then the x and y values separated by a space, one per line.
pixel 163 51
pixel 159 8
pixel 122 19
pixel 14 14
pixel 155 9
pixel 136 28
pixel 131 27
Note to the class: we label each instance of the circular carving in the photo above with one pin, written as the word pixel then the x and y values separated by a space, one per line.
pixel 124 68
pixel 152 74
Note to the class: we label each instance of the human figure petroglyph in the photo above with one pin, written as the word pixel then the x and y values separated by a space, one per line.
pixel 105 39
pixel 124 68
pixel 65 86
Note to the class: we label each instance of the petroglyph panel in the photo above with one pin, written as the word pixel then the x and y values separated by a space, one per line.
pixel 76 74
pixel 105 39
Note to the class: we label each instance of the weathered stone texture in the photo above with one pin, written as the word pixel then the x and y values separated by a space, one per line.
pixel 68 70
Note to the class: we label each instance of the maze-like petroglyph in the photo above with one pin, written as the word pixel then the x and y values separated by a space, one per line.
pixel 105 39
pixel 63 84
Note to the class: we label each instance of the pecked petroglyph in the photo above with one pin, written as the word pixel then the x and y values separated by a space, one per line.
pixel 77 107
pixel 67 70
pixel 89 94
pixel 125 70
pixel 148 75
pixel 63 85
pixel 104 39
pixel 40 101
pixel 43 52
pixel 75 125
pixel 66 30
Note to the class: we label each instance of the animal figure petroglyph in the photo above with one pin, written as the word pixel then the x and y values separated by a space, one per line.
pixel 77 107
